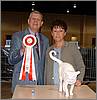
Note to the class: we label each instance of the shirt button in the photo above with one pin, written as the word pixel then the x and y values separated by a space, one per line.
pixel 52 77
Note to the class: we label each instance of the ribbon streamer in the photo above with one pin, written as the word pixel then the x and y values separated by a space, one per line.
pixel 28 64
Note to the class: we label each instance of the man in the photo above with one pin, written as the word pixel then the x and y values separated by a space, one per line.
pixel 66 52
pixel 35 22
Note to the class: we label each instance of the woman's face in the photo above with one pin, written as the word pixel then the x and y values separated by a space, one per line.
pixel 58 33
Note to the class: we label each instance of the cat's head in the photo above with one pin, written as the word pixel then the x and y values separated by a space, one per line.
pixel 72 75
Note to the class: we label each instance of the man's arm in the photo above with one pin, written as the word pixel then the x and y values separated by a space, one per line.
pixel 15 54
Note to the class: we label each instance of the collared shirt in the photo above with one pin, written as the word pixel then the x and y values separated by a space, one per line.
pixel 37 36
pixel 56 67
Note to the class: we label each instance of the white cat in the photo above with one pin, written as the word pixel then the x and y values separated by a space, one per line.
pixel 67 74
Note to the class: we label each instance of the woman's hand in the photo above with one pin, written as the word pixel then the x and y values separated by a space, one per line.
pixel 78 83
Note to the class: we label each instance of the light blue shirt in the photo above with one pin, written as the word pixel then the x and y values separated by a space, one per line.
pixel 56 67
pixel 37 35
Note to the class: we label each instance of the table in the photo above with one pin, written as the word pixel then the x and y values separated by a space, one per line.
pixel 51 92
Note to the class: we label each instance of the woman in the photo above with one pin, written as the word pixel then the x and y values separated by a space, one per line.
pixel 65 51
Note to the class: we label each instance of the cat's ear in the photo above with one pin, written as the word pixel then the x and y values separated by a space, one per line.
pixel 78 72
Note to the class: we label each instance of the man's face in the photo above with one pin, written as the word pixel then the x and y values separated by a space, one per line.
pixel 58 33
pixel 35 22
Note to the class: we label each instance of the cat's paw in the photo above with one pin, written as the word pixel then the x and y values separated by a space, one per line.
pixel 71 93
pixel 60 90
pixel 64 89
pixel 67 95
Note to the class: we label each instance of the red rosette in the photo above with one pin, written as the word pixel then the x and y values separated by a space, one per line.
pixel 29 40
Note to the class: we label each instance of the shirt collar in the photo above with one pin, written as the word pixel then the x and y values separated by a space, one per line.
pixel 32 32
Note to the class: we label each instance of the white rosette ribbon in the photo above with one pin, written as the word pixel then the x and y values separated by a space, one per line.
pixel 28 64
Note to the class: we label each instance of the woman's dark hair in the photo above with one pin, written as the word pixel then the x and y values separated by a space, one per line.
pixel 59 23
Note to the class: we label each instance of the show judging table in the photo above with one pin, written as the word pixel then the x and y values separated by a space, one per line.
pixel 51 92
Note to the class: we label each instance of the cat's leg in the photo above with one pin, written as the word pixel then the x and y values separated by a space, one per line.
pixel 66 89
pixel 64 86
pixel 71 89
pixel 60 85
pixel 60 78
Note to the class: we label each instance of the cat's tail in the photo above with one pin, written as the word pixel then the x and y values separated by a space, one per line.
pixel 51 54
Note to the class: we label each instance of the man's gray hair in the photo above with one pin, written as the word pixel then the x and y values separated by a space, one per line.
pixel 36 12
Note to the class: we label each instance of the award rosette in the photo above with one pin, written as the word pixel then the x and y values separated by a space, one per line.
pixel 28 64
